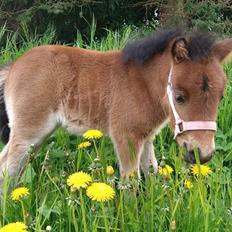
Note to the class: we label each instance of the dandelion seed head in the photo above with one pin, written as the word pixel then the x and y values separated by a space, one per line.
pixel 48 228
pixel 124 184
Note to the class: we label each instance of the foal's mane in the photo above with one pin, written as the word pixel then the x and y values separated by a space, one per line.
pixel 199 45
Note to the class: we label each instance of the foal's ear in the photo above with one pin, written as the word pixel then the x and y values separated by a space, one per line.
pixel 223 50
pixel 180 50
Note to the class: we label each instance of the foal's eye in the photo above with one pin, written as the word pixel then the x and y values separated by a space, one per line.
pixel 180 99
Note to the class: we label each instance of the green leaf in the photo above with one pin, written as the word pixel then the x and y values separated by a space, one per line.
pixel 28 175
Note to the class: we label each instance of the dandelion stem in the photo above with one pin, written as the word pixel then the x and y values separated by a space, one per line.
pixel 135 192
pixel 58 189
pixel 83 211
pixel 122 213
pixel 117 217
pixel 74 220
pixel 95 146
pixel 104 216
pixel 23 212
pixel 79 160
pixel 89 157
pixel 152 199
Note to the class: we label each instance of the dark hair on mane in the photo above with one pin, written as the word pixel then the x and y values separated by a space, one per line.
pixel 199 45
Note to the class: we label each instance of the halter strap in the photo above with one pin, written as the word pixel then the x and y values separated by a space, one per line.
pixel 180 124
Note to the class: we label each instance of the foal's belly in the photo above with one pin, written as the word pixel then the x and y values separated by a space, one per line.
pixel 77 122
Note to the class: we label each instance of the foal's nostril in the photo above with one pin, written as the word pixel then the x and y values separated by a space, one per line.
pixel 188 146
pixel 190 156
pixel 185 145
pixel 192 159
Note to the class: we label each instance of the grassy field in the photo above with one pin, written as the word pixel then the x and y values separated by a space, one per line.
pixel 159 203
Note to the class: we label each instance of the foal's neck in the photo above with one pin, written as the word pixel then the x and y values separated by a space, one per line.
pixel 152 79
pixel 155 74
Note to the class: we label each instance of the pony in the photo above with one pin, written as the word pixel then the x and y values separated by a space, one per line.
pixel 169 77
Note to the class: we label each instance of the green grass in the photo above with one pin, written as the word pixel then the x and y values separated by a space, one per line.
pixel 155 204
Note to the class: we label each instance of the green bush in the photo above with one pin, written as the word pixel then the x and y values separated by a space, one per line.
pixel 69 17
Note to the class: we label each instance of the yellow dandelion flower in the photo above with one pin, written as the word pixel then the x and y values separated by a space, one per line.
pixel 109 170
pixel 93 134
pixel 79 180
pixel 19 193
pixel 84 145
pixel 166 170
pixel 188 184
pixel 203 169
pixel 14 227
pixel 100 192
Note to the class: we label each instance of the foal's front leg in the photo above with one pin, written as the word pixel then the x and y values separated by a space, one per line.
pixel 148 157
pixel 129 148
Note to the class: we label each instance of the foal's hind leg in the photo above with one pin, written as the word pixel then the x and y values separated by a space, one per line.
pixel 3 157
pixel 13 157
pixel 148 157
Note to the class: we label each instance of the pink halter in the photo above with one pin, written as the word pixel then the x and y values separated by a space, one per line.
pixel 181 125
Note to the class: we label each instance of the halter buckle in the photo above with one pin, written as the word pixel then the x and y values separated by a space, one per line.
pixel 179 127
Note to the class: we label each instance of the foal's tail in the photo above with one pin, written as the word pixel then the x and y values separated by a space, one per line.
pixel 4 128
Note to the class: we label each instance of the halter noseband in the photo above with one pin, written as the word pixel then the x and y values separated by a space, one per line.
pixel 180 124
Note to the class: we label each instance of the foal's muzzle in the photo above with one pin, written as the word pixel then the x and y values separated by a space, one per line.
pixel 190 157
